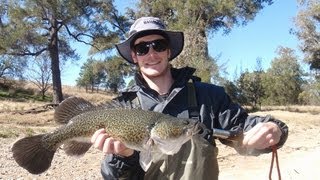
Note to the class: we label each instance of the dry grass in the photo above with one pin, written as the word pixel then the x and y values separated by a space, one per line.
pixel 293 108
pixel 95 97
pixel 13 124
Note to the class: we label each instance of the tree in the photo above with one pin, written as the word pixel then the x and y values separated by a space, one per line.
pixel 283 80
pixel 116 71
pixel 308 26
pixel 311 93
pixel 234 92
pixel 198 19
pixel 91 75
pixel 32 27
pixel 110 73
pixel 250 84
pixel 40 74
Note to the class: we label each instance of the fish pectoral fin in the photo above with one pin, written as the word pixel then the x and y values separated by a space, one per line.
pixel 76 148
pixel 150 143
pixel 145 160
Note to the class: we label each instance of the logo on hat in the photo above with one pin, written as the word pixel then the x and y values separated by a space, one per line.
pixel 154 21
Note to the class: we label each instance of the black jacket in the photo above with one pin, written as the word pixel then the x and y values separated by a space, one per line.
pixel 215 108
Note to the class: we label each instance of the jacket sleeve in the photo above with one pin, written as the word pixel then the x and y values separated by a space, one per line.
pixel 116 167
pixel 232 116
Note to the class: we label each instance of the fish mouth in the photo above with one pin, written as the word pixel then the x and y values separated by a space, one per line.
pixel 201 129
pixel 195 128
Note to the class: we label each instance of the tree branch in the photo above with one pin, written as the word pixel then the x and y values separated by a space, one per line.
pixel 36 110
pixel 76 37
pixel 117 24
pixel 28 53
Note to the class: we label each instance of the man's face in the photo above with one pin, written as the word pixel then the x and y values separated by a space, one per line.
pixel 153 61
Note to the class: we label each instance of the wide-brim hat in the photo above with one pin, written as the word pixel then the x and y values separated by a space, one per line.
pixel 146 26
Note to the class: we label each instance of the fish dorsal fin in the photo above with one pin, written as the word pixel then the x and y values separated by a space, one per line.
pixel 70 108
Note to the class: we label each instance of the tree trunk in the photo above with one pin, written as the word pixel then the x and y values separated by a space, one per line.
pixel 54 55
pixel 43 92
pixel 92 87
pixel 195 53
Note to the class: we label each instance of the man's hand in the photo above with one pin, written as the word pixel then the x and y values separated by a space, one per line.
pixel 262 136
pixel 108 145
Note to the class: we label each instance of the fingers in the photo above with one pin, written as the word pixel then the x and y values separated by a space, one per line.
pixel 255 138
pixel 121 149
pixel 262 136
pixel 249 137
pixel 99 138
pixel 112 146
pixel 118 146
pixel 96 134
pixel 109 145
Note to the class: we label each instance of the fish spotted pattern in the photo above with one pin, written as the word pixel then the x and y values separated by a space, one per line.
pixel 145 131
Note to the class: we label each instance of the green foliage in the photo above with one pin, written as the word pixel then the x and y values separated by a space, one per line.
pixel 281 84
pixel 15 132
pixel 116 70
pixel 29 132
pixel 234 92
pixel 311 93
pixel 283 80
pixel 8 133
pixel 308 26
pixel 110 73
pixel 206 15
pixel 251 87
pixel 90 74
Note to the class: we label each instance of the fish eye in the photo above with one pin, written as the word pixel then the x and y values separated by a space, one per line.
pixel 150 126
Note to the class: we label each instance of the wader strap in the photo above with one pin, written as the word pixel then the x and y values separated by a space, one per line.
pixel 192 102
pixel 195 114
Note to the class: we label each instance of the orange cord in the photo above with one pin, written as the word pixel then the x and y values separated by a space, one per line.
pixel 274 156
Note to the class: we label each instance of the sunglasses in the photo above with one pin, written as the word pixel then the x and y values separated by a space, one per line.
pixel 158 45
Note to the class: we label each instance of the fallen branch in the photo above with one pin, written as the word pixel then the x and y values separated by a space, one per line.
pixel 39 109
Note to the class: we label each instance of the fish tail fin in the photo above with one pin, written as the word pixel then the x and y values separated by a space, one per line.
pixel 70 108
pixel 30 154
pixel 76 148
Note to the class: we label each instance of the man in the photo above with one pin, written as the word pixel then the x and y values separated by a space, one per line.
pixel 161 88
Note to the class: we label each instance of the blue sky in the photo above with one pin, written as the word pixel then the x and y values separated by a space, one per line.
pixel 238 49
pixel 260 38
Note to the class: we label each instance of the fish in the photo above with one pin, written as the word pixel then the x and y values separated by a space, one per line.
pixel 151 133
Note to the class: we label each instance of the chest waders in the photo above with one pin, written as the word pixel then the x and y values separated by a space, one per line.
pixel 196 160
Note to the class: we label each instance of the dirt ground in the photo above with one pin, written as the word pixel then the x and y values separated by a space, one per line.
pixel 299 158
